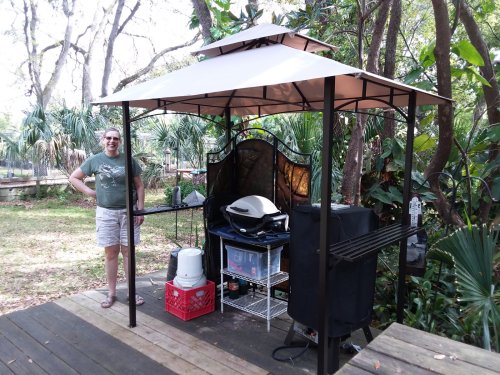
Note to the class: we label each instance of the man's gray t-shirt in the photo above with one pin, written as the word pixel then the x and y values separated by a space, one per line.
pixel 110 179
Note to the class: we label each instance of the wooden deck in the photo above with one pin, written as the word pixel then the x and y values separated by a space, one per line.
pixel 74 335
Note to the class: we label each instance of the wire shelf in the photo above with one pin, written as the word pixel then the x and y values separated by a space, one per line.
pixel 256 304
pixel 274 279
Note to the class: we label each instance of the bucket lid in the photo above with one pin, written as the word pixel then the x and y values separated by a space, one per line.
pixel 190 251
pixel 189 263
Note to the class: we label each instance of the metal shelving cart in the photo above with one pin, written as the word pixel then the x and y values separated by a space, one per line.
pixel 258 303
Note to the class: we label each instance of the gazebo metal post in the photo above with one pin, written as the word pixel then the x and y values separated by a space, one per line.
pixel 130 213
pixel 227 118
pixel 410 135
pixel 326 190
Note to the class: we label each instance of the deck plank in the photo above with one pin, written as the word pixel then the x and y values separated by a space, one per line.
pixel 17 361
pixel 376 362
pixel 450 348
pixel 349 369
pixel 34 350
pixel 213 360
pixel 129 338
pixel 112 354
pixel 4 370
pixel 78 360
pixel 424 358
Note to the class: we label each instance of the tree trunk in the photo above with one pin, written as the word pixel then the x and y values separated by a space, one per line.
pixel 361 29
pixel 44 94
pixel 390 62
pixel 377 36
pixel 352 162
pixel 352 173
pixel 63 54
pixel 108 60
pixel 445 112
pixel 31 44
pixel 96 29
pixel 116 30
pixel 491 96
pixel 203 13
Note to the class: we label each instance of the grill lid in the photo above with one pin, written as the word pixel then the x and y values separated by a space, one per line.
pixel 252 206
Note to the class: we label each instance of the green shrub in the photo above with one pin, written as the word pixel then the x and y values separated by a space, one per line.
pixel 44 191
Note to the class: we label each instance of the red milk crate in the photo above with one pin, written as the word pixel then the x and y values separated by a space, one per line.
pixel 189 303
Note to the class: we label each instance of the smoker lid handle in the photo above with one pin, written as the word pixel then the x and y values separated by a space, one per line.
pixel 239 209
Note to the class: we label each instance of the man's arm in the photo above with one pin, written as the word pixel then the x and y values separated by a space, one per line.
pixel 139 188
pixel 76 179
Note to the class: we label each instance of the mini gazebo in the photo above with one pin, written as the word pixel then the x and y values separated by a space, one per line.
pixel 267 70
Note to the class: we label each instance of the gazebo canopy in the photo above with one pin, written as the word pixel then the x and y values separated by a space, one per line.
pixel 276 77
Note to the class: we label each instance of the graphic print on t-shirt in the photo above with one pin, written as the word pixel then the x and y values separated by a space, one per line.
pixel 110 175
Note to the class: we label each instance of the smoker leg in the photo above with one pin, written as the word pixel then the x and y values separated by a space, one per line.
pixel 333 354
pixel 368 334
pixel 290 334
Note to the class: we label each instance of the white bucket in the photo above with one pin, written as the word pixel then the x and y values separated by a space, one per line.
pixel 189 269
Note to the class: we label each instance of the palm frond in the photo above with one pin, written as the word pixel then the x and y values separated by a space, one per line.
pixel 473 249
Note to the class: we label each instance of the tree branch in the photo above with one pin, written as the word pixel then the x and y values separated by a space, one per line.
pixel 130 16
pixel 414 58
pixel 59 43
pixel 372 9
pixel 124 82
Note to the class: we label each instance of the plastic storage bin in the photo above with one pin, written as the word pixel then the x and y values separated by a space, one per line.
pixel 252 264
pixel 189 303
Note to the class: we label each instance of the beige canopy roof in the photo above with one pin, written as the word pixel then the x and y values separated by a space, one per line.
pixel 265 34
pixel 271 79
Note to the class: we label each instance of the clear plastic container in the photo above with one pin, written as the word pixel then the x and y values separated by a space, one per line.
pixel 252 264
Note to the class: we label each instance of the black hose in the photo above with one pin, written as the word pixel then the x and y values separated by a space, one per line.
pixel 289 358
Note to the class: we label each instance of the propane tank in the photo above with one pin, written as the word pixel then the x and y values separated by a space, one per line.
pixel 176 196
pixel 415 217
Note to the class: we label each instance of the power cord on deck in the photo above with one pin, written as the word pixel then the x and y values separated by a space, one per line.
pixel 291 357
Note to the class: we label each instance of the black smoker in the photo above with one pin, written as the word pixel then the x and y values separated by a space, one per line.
pixel 352 284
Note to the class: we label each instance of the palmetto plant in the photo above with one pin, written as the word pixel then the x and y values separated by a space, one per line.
pixel 61 137
pixel 187 133
pixel 37 138
pixel 473 252
pixel 9 149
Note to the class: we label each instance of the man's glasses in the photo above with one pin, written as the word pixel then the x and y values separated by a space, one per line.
pixel 112 138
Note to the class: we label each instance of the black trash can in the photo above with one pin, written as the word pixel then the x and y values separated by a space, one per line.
pixel 172 264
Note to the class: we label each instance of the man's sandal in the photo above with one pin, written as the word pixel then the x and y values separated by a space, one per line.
pixel 108 302
pixel 138 300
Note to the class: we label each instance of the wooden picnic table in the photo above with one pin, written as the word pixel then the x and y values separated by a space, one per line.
pixel 405 350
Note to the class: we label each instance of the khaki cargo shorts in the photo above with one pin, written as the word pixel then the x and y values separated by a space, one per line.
pixel 111 228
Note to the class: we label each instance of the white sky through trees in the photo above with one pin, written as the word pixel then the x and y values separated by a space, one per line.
pixel 166 25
